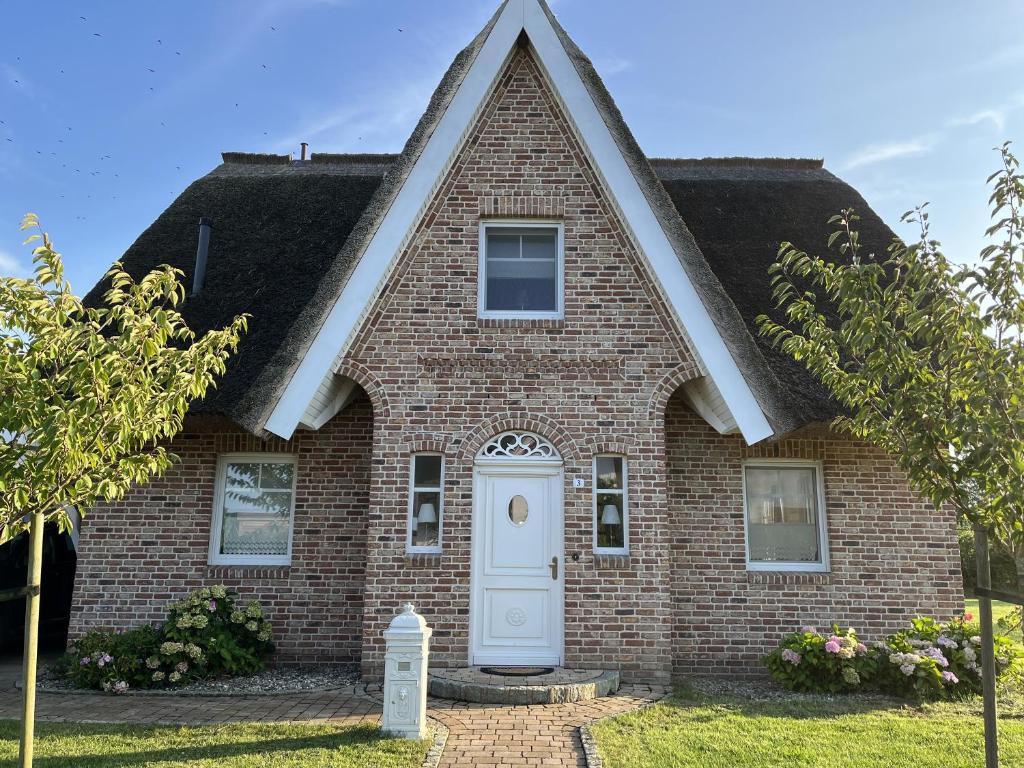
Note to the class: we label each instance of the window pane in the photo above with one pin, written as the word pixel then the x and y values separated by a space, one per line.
pixel 273 475
pixel 782 514
pixel 609 472
pixel 541 245
pixel 521 270
pixel 502 246
pixel 534 294
pixel 427 471
pixel 610 528
pixel 243 475
pixel 426 518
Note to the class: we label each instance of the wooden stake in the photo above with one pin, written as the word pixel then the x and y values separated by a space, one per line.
pixel 988 654
pixel 35 572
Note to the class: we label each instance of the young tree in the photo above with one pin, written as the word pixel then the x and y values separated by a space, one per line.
pixel 88 399
pixel 925 355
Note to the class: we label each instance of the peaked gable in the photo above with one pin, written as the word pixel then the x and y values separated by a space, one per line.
pixel 521 164
pixel 724 348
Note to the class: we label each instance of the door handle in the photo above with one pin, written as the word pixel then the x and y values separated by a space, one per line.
pixel 554 568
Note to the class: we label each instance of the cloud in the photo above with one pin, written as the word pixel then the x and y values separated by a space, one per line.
pixel 878 153
pixel 10 266
pixel 996 116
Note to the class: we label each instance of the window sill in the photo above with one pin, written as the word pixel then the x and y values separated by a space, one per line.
pixel 789 577
pixel 521 322
pixel 422 559
pixel 251 571
pixel 611 562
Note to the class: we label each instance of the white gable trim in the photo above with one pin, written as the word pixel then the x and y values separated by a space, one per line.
pixel 386 243
pixel 442 145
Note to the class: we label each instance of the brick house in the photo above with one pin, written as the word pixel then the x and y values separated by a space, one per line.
pixel 513 375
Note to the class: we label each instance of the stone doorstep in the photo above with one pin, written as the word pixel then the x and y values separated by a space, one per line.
pixel 564 687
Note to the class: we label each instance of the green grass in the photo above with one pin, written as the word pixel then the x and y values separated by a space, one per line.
pixel 692 730
pixel 250 745
pixel 999 610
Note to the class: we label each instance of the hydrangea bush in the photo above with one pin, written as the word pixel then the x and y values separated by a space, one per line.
pixel 929 660
pixel 936 660
pixel 811 661
pixel 207 634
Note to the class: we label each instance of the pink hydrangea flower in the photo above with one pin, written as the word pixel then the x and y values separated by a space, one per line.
pixel 791 656
pixel 949 677
pixel 861 648
pixel 211 606
pixel 833 646
pixel 811 630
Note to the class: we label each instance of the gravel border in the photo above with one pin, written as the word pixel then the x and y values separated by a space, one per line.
pixel 433 756
pixel 270 682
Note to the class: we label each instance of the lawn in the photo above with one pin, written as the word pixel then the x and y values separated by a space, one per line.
pixel 731 731
pixel 224 746
pixel 999 611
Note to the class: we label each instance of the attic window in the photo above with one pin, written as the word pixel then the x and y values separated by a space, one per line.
pixel 521 267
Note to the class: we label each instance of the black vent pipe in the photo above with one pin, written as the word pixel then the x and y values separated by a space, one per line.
pixel 202 250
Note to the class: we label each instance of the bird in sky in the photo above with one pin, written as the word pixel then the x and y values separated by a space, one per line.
pixel 151 69
pixel 96 34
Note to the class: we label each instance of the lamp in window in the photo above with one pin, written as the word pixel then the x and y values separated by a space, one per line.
pixel 610 515
pixel 427 513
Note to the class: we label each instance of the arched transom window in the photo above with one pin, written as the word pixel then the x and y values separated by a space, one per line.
pixel 518 445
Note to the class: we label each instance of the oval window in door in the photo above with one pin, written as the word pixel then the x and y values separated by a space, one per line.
pixel 518 510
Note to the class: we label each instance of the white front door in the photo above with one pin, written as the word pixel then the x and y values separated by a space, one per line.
pixel 517 575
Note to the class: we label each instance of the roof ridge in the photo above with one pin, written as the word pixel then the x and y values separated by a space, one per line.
pixel 255 158
pixel 801 163
pixel 355 157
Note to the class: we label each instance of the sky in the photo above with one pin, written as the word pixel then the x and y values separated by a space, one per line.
pixel 110 108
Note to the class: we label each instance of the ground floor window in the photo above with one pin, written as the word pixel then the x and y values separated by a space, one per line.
pixel 611 512
pixel 254 505
pixel 785 514
pixel 426 501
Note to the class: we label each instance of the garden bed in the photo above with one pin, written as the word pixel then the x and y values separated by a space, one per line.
pixel 269 682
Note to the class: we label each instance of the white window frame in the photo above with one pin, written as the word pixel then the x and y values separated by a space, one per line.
pixel 823 565
pixel 411 548
pixel 624 549
pixel 481 292
pixel 217 525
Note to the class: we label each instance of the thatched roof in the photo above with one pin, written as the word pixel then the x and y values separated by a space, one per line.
pixel 279 225
pixel 739 210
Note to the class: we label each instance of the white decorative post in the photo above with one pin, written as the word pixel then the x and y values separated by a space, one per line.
pixel 406 642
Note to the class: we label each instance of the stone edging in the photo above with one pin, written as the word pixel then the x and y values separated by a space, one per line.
pixel 590 756
pixel 433 757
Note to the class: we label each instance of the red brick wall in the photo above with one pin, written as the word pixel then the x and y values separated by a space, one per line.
pixel 138 554
pixel 450 381
pixel 892 556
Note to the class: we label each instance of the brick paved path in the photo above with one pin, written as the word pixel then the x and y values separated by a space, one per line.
pixel 479 734
pixel 489 736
